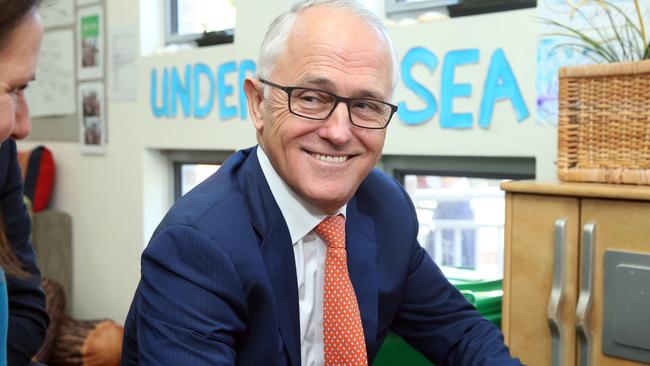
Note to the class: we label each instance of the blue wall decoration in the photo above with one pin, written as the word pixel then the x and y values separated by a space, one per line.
pixel 449 89
pixel 202 75
pixel 415 56
pixel 501 84
pixel 172 87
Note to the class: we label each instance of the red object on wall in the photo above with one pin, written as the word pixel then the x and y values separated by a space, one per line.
pixel 38 171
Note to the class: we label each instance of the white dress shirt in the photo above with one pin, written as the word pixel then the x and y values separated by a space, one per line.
pixel 309 254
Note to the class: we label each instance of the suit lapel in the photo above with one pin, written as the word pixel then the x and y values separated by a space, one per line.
pixel 277 252
pixel 276 249
pixel 362 265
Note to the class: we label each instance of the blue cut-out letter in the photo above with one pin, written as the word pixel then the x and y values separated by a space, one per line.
pixel 201 111
pixel 417 55
pixel 162 109
pixel 180 92
pixel 500 84
pixel 224 90
pixel 450 90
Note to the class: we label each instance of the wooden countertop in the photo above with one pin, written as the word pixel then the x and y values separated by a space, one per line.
pixel 616 191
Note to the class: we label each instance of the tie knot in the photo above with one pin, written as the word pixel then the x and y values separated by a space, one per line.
pixel 332 231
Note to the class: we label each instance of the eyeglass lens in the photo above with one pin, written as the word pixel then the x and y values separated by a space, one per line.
pixel 316 104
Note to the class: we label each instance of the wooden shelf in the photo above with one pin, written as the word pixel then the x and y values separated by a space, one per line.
pixel 595 190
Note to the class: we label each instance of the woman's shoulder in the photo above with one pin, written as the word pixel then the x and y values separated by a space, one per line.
pixel 7 158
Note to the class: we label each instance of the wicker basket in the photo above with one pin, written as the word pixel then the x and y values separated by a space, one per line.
pixel 604 127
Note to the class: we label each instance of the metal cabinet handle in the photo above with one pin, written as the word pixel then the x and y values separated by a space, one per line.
pixel 557 294
pixel 586 289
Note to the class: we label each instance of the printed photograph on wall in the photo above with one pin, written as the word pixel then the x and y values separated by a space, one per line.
pixel 90 32
pixel 92 118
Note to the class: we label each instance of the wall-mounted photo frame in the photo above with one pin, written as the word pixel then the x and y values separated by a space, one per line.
pixel 92 118
pixel 90 43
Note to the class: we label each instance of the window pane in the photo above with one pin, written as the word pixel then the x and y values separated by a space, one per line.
pixel 413 9
pixel 432 2
pixel 195 16
pixel 193 174
pixel 461 221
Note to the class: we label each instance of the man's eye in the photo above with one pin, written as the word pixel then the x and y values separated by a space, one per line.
pixel 366 105
pixel 311 98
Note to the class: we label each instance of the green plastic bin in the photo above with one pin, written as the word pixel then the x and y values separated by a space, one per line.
pixel 486 296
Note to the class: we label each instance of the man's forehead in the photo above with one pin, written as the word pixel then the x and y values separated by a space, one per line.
pixel 325 19
pixel 336 29
pixel 328 46
pixel 326 66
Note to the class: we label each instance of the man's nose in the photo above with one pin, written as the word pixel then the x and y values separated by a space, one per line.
pixel 23 125
pixel 337 127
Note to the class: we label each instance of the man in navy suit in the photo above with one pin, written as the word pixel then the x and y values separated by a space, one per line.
pixel 234 273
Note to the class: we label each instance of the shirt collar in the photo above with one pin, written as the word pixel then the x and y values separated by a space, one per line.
pixel 301 216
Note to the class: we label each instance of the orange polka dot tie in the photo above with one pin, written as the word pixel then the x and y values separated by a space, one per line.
pixel 342 328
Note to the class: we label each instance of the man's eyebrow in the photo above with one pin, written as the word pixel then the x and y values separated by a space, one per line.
pixel 319 82
pixel 366 93
pixel 328 84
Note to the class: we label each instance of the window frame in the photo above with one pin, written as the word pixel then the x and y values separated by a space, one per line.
pixel 225 36
pixel 395 6
pixel 454 8
pixel 178 158
pixel 476 7
pixel 499 167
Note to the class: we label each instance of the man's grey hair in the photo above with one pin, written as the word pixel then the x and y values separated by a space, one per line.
pixel 275 41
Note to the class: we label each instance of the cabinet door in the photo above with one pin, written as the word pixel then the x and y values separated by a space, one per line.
pixel 528 278
pixel 622 226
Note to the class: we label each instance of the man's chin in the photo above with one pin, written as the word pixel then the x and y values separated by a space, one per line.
pixel 326 202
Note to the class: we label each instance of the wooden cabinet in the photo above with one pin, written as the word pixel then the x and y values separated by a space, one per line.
pixel 557 237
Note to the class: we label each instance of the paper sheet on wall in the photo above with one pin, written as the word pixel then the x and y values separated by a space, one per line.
pixel 53 91
pixel 579 14
pixel 57 13
pixel 124 54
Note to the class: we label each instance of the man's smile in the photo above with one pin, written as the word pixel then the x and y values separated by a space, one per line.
pixel 330 157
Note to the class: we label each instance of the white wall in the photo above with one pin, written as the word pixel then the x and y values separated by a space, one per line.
pixel 117 199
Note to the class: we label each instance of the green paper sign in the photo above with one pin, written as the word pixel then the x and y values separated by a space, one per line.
pixel 90 26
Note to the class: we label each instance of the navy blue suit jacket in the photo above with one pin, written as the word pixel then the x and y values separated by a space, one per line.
pixel 27 316
pixel 219 284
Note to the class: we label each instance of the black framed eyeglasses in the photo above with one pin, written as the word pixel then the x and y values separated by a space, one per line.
pixel 318 104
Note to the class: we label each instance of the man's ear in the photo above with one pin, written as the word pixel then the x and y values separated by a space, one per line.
pixel 255 98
